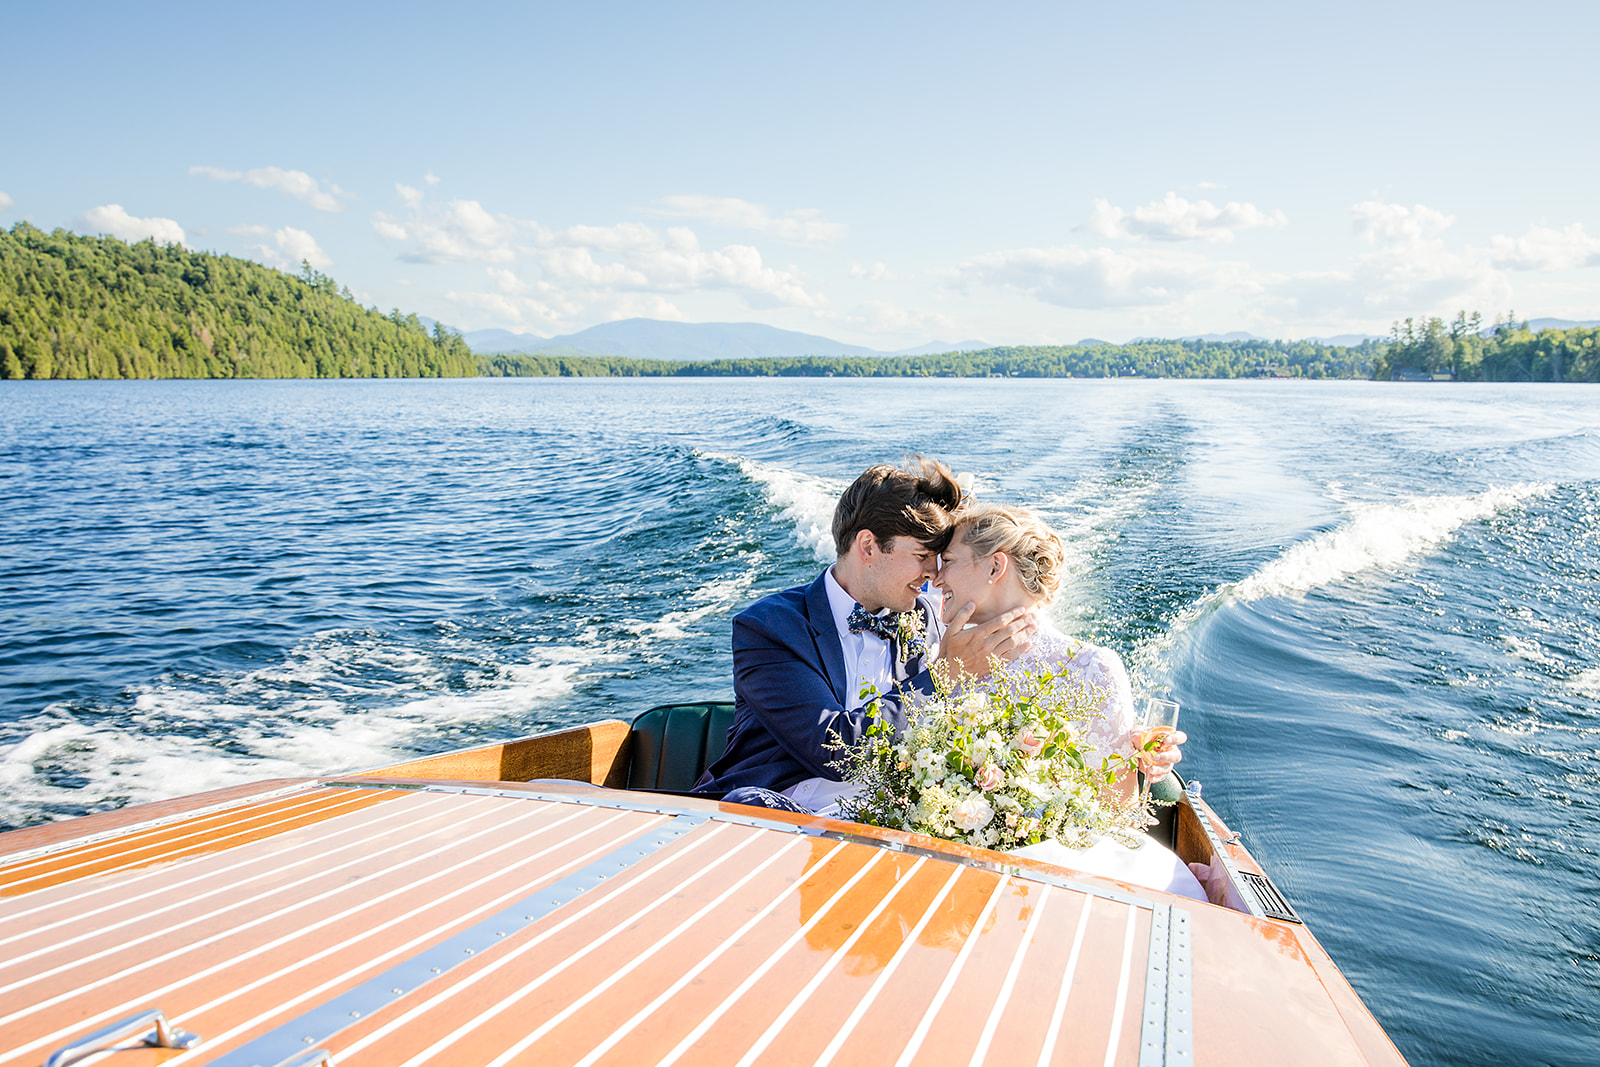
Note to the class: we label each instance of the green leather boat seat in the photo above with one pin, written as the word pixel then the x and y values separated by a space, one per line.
pixel 673 743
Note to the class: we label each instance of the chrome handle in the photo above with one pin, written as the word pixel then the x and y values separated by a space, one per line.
pixel 152 1025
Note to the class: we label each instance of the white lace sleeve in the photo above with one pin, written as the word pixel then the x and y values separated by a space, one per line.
pixel 1109 733
pixel 1103 669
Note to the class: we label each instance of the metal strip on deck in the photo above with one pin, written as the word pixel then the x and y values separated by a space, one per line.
pixel 318 1025
pixel 1166 1034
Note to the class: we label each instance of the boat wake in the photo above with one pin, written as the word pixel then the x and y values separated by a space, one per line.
pixel 805 501
pixel 340 701
pixel 1378 538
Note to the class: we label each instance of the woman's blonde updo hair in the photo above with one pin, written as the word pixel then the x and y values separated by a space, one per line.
pixel 1034 548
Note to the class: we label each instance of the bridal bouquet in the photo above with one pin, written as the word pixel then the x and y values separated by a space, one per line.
pixel 999 767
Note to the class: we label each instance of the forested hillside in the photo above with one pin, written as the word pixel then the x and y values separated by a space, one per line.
pixel 1144 359
pixel 1509 352
pixel 95 307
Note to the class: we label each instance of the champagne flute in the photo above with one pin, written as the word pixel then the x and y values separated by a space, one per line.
pixel 1160 722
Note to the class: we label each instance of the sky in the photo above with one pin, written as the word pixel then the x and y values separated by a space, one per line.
pixel 885 174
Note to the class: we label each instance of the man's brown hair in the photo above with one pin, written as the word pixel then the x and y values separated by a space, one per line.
pixel 918 500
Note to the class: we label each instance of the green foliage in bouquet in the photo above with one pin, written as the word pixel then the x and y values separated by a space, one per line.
pixel 1000 766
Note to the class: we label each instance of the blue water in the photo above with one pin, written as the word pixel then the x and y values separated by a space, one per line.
pixel 1379 605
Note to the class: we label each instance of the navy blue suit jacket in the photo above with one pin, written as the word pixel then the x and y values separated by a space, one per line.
pixel 789 691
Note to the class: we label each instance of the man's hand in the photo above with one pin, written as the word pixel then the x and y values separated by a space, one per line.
pixel 968 650
pixel 1159 761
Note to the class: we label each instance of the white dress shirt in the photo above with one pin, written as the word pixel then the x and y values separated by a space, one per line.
pixel 867 660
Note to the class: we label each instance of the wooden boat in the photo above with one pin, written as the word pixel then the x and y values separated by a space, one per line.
pixel 534 902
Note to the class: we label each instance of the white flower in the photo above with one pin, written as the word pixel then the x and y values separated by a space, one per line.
pixel 973 813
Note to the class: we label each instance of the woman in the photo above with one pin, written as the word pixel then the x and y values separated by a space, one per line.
pixel 1004 558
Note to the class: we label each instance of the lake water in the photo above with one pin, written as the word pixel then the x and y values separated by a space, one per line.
pixel 1379 605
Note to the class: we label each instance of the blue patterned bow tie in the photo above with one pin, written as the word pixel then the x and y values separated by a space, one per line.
pixel 882 625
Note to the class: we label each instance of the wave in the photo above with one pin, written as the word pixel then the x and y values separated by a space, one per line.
pixel 1090 514
pixel 1586 683
pixel 708 600
pixel 806 501
pixel 342 700
pixel 1377 538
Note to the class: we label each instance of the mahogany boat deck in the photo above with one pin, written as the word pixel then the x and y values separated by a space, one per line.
pixel 380 922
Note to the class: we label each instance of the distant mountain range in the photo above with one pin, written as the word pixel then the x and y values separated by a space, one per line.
pixel 1557 324
pixel 656 339
pixel 1343 340
pixel 700 341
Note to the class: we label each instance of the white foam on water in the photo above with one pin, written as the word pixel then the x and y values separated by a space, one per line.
pixel 804 500
pixel 1377 538
pixel 1088 515
pixel 313 714
pixel 710 599
pixel 1528 651
pixel 1586 683
pixel 116 766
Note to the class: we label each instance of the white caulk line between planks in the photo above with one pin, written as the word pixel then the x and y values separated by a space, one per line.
pixel 755 976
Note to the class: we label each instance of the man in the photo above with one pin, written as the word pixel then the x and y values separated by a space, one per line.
pixel 808 661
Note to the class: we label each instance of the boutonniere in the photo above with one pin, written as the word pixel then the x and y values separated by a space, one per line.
pixel 912 633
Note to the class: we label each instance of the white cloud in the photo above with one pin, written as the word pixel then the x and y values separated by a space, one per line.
pixel 289 247
pixel 1076 277
pixel 882 317
pixel 1408 272
pixel 113 220
pixel 6 203
pixel 1542 248
pixel 875 273
pixel 388 228
pixel 458 232
pixel 1174 218
pixel 584 271
pixel 431 178
pixel 296 183
pixel 802 227
pixel 638 257
pixel 299 245
pixel 519 302
pixel 1388 224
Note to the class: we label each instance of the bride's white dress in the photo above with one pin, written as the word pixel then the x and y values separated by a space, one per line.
pixel 1150 864
pixel 1110 733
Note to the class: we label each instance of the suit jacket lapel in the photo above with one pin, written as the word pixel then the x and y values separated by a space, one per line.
pixel 820 614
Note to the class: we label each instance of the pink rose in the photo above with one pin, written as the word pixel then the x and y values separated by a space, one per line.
pixel 1027 744
pixel 990 777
